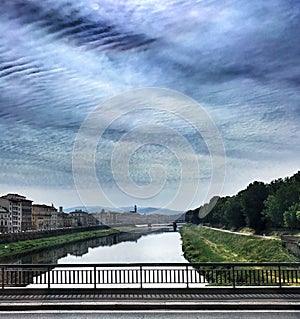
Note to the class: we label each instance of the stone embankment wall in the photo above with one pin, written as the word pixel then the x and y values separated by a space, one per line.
pixel 13 237
pixel 292 244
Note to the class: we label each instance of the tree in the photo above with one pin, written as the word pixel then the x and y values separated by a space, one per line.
pixel 234 213
pixel 216 216
pixel 252 202
pixel 277 204
pixel 273 211
pixel 292 216
pixel 191 216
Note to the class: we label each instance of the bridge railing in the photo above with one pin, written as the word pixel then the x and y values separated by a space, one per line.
pixel 144 275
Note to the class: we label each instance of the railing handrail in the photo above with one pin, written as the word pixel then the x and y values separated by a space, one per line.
pixel 193 264
pixel 96 274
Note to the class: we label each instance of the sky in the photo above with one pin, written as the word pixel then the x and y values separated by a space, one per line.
pixel 147 102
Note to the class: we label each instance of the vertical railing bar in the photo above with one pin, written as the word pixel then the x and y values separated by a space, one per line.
pixel 95 277
pixel 2 275
pixel 175 276
pixel 293 277
pixel 53 277
pixel 48 277
pixel 272 277
pixel 187 276
pixel 233 277
pixel 141 274
pixel 279 270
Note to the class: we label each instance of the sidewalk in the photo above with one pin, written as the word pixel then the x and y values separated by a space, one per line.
pixel 152 299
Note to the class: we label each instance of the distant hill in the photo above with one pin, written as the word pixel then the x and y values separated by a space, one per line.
pixel 141 210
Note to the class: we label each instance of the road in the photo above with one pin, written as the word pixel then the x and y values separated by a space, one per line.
pixel 152 315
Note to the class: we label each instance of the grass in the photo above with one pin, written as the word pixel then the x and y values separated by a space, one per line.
pixel 207 245
pixel 32 245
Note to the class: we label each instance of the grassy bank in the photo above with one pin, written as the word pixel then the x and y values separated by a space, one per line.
pixel 32 245
pixel 201 244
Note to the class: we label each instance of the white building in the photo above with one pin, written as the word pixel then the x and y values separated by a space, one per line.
pixel 20 212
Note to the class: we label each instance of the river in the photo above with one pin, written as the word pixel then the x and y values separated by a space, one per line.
pixel 159 247
pixel 131 247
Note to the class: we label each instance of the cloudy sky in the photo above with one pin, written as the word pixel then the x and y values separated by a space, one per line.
pixel 237 62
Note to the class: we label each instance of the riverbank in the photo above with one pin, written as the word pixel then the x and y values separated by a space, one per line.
pixel 201 244
pixel 36 234
pixel 34 245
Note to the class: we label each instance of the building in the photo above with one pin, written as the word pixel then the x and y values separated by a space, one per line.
pixel 44 217
pixel 65 220
pixel 84 219
pixel 20 212
pixel 5 219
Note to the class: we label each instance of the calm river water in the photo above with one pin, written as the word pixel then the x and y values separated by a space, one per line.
pixel 141 247
pixel 157 247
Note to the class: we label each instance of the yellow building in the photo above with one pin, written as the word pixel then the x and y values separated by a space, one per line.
pixel 44 217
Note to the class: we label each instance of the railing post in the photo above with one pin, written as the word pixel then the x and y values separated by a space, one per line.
pixel 187 276
pixel 49 277
pixel 279 270
pixel 141 276
pixel 3 269
pixel 95 278
pixel 233 277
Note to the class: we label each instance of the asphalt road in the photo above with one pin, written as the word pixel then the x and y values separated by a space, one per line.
pixel 152 315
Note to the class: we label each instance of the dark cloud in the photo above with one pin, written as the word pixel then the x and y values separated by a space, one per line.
pixel 65 21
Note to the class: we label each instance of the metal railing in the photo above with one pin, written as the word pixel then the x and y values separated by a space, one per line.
pixel 144 275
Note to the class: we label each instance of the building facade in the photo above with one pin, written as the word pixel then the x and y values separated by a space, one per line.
pixel 4 220
pixel 44 217
pixel 84 219
pixel 20 212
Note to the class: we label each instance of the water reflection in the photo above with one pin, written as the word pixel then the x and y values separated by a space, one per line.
pixel 156 247
pixel 76 250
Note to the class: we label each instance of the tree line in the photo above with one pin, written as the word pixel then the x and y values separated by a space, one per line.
pixel 260 206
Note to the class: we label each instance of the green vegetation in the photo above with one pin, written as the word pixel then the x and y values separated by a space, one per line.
pixel 26 246
pixel 202 244
pixel 262 207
